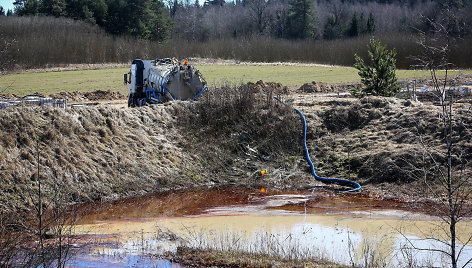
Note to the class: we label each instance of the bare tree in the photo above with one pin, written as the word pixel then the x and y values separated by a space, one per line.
pixel 6 59
pixel 257 8
pixel 57 223
pixel 42 237
pixel 449 163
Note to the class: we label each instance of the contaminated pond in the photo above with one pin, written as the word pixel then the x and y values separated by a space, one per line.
pixel 348 229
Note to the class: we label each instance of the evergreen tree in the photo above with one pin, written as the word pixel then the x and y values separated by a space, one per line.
pixel 300 19
pixel 174 7
pixel 137 18
pixel 362 24
pixel 93 11
pixel 379 78
pixel 370 24
pixel 333 29
pixel 26 7
pixel 54 8
pixel 354 26
pixel 117 17
pixel 2 11
pixel 214 2
pixel 160 22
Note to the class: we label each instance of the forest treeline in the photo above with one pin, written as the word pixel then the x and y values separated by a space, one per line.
pixel 41 33
pixel 288 19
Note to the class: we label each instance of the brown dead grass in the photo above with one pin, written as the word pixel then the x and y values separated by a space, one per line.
pixel 100 152
pixel 214 258
pixel 76 96
pixel 224 138
pixel 379 141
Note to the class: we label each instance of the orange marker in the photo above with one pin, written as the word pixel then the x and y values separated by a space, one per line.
pixel 263 172
pixel 263 190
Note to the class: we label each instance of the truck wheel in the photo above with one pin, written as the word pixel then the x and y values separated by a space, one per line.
pixel 168 97
pixel 141 102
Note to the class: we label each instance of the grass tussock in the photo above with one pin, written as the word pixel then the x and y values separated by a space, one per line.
pixel 98 152
pixel 226 137
pixel 251 112
pixel 240 130
pixel 385 140
pixel 217 258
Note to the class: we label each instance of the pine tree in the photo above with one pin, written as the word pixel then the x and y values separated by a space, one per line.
pixel 174 7
pixel 333 29
pixel 370 24
pixel 379 78
pixel 160 22
pixel 54 8
pixel 117 17
pixel 354 26
pixel 300 19
pixel 26 7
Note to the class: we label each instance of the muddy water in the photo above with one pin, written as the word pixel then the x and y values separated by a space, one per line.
pixel 346 229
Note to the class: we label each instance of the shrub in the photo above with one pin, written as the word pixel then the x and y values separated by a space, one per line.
pixel 379 78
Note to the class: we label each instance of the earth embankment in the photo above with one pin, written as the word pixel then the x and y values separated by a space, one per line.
pixel 225 139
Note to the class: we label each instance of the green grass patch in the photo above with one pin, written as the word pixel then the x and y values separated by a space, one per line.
pixel 67 81
pixel 216 75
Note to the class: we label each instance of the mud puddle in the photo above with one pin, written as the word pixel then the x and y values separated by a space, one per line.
pixel 346 229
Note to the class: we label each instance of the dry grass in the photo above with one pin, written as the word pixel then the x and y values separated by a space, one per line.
pixel 217 258
pixel 50 42
pixel 224 138
pixel 378 140
pixel 237 131
pixel 98 152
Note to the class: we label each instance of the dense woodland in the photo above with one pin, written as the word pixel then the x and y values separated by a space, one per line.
pixel 271 29
pixel 217 19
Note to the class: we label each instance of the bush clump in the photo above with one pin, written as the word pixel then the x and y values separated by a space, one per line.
pixel 379 77
pixel 248 112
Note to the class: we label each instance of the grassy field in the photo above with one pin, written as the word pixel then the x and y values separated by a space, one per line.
pixel 112 79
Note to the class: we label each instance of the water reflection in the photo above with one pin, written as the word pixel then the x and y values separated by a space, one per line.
pixel 267 224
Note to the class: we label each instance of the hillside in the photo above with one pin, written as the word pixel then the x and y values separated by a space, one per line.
pixel 222 140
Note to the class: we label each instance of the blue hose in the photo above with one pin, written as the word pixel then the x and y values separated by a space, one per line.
pixel 200 92
pixel 356 187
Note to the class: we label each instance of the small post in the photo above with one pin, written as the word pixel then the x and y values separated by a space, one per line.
pixel 408 89
pixel 414 90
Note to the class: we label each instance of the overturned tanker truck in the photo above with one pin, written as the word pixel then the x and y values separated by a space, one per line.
pixel 162 80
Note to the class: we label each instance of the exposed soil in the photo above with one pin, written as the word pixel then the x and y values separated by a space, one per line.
pixel 224 139
pixel 75 96
pixel 8 95
pixel 320 87
pixel 88 96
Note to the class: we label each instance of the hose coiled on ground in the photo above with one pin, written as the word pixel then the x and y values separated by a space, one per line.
pixel 356 187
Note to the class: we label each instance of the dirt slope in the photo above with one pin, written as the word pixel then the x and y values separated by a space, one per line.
pixel 91 152
pixel 224 139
